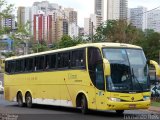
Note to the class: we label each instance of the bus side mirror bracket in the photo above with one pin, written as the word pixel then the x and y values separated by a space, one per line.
pixel 107 70
pixel 157 67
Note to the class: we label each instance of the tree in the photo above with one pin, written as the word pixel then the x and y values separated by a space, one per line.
pixel 67 41
pixel 6 11
pixel 40 47
pixel 22 38
pixel 150 44
pixel 116 31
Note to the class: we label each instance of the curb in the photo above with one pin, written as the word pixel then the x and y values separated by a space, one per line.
pixel 154 109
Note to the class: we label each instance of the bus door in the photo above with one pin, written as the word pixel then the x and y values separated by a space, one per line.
pixel 95 67
pixel 100 85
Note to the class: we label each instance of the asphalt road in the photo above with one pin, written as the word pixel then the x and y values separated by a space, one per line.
pixel 11 111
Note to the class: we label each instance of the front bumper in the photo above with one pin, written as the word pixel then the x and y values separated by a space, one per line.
pixel 111 105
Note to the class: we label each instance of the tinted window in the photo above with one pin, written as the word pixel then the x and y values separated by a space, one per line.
pixel 6 67
pixel 51 61
pixel 95 67
pixel 39 63
pixel 78 58
pixel 12 66
pixel 19 66
pixel 29 64
pixel 63 60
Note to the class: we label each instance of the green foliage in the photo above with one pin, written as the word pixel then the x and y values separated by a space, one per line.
pixel 22 37
pixel 40 47
pixel 151 44
pixel 122 32
pixel 116 31
pixel 67 41
pixel 8 54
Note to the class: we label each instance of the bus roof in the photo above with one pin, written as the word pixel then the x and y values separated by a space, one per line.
pixel 99 45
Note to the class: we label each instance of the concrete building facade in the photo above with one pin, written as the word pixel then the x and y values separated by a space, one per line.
pixel 153 20
pixel 137 18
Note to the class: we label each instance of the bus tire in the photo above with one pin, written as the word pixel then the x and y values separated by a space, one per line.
pixel 84 105
pixel 20 99
pixel 28 99
pixel 120 112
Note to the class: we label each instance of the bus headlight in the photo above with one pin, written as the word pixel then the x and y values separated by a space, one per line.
pixel 115 99
pixel 146 98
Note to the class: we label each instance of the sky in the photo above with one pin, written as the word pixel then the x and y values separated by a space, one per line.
pixel 85 7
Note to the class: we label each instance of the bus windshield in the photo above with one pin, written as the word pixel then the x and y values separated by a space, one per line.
pixel 129 70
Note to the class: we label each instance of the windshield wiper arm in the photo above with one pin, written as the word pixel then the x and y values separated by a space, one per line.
pixel 135 78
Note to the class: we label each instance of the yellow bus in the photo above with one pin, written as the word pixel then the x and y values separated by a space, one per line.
pixel 98 76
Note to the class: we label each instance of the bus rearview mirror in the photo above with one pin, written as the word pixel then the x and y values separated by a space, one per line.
pixel 107 70
pixel 157 67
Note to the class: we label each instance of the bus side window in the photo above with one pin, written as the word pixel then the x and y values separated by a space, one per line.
pixel 6 67
pixel 53 61
pixel 12 66
pixel 39 63
pixel 77 59
pixel 29 64
pixel 19 66
pixel 63 60
pixel 47 62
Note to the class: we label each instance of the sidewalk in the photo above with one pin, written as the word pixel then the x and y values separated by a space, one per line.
pixel 155 109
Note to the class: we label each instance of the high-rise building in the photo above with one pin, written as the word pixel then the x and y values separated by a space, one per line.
pixel 87 26
pixel 81 31
pixel 73 30
pixel 23 15
pixel 123 9
pixel 99 9
pixel 137 18
pixel 8 22
pixel 91 24
pixel 111 9
pixel 43 28
pixel 71 15
pixel 153 20
pixel 46 7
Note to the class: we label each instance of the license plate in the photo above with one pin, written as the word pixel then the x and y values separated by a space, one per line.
pixel 132 106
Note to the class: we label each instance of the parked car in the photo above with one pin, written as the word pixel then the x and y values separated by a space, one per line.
pixel 1 88
pixel 155 90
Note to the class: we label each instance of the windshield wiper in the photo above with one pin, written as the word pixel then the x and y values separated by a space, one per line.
pixel 135 78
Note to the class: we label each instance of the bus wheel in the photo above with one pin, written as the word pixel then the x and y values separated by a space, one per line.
pixel 84 105
pixel 28 100
pixel 119 112
pixel 20 99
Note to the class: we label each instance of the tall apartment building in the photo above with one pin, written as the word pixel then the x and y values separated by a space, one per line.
pixel 45 6
pixel 70 15
pixel 23 15
pixel 43 28
pixel 8 22
pixel 153 20
pixel 60 28
pixel 111 9
pixel 88 22
pixel 123 9
pixel 73 30
pixel 49 28
pixel 87 26
pixel 99 10
pixel 137 18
